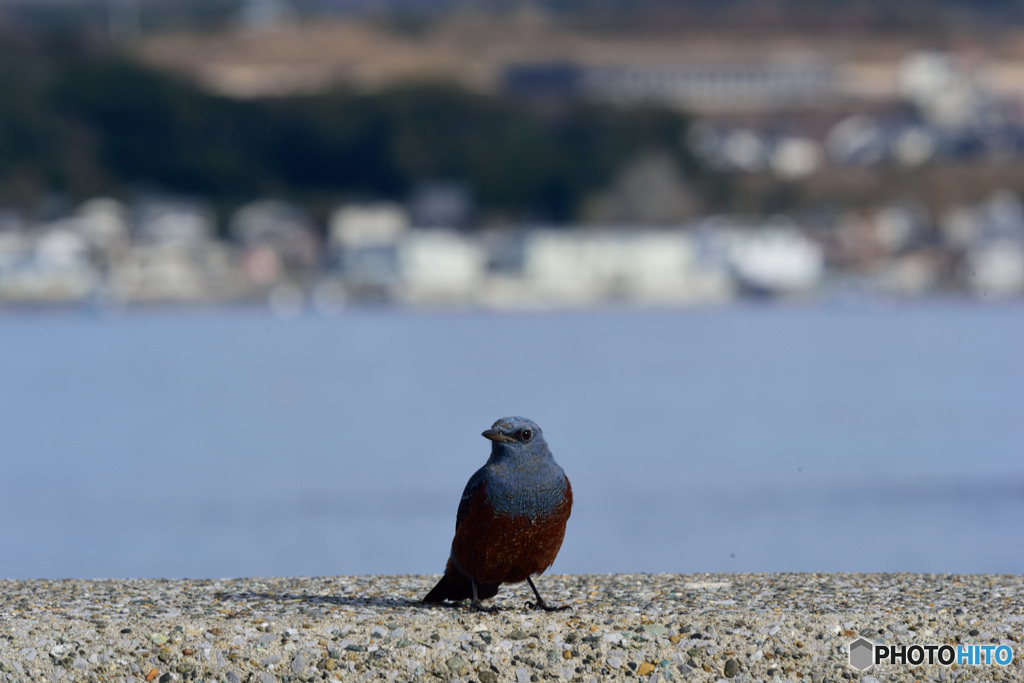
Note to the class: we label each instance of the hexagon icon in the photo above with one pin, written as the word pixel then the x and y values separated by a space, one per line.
pixel 861 654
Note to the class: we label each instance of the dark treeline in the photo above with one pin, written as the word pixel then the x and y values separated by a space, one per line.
pixel 112 126
pixel 605 15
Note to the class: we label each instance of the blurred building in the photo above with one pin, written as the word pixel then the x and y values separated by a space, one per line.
pixel 771 257
pixel 175 256
pixel 173 223
pixel 717 86
pixel 363 242
pixel 646 266
pixel 440 265
pixel 50 266
pixel 441 205
pixel 278 241
pixel 169 251
pixel 648 191
pixel 106 227
pixel 992 237
pixel 996 269
pixel 692 84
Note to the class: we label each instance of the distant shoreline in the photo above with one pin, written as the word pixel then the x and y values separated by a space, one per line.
pixel 259 306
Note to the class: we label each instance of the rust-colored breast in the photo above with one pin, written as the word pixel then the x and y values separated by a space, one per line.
pixel 499 549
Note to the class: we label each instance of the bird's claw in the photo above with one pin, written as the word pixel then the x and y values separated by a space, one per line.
pixel 477 607
pixel 546 607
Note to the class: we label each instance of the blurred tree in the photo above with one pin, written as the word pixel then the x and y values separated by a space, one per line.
pixel 109 125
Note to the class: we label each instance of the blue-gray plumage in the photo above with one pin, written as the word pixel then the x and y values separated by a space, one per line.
pixel 522 477
pixel 511 519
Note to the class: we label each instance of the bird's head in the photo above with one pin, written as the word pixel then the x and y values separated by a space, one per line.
pixel 518 438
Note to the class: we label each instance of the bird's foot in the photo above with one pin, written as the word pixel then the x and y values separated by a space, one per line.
pixel 546 607
pixel 477 607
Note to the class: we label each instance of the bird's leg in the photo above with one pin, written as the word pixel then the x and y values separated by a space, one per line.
pixel 475 605
pixel 540 604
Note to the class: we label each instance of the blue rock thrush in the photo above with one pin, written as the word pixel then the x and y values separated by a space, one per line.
pixel 511 519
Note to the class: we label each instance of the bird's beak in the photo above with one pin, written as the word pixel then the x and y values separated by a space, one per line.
pixel 495 435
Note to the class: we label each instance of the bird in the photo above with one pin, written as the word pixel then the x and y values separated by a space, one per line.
pixel 511 519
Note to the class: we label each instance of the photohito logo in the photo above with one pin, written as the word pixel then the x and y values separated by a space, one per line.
pixel 864 654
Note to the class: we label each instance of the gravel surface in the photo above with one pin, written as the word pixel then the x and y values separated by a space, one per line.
pixel 706 627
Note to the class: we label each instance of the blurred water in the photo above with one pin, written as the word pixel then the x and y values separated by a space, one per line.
pixel 744 439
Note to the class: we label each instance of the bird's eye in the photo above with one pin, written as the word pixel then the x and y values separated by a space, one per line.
pixel 526 434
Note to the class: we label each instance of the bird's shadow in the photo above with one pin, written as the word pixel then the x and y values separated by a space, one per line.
pixel 346 601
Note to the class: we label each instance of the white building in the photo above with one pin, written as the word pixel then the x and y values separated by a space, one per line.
pixel 367 226
pixel 775 257
pixel 104 224
pixel 996 269
pixel 168 273
pixel 183 224
pixel 53 269
pixel 652 266
pixel 363 240
pixel 436 264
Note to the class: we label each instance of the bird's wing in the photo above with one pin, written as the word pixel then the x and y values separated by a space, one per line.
pixel 475 485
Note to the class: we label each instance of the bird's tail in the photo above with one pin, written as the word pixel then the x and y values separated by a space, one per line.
pixel 455 585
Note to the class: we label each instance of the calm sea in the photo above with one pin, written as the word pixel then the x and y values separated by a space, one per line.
pixel 233 443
